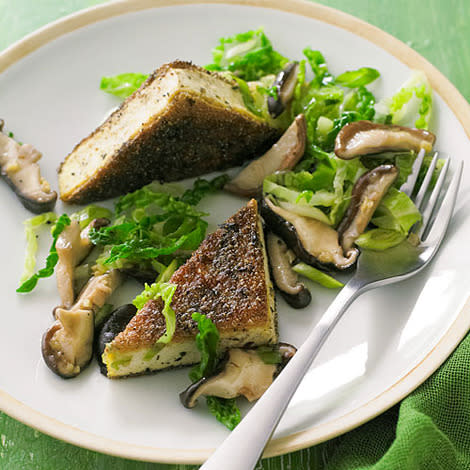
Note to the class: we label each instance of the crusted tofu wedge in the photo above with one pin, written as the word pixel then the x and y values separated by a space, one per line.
pixel 226 278
pixel 183 122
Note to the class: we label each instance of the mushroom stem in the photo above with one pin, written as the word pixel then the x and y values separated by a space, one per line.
pixel 73 245
pixel 283 155
pixel 314 242
pixel 67 345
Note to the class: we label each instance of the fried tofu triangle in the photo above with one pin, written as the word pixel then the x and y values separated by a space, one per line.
pixel 183 122
pixel 227 279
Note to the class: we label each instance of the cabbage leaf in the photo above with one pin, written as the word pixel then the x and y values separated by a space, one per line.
pixel 122 85
pixel 410 106
pixel 52 258
pixel 225 410
pixel 248 55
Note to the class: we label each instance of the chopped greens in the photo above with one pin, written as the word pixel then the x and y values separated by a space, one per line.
pixel 202 188
pixel 396 212
pixel 225 410
pixel 379 239
pixel 394 218
pixel 31 227
pixel 151 225
pixel 318 65
pixel 89 213
pixel 323 194
pixel 327 105
pixel 150 229
pixel 154 291
pixel 269 354
pixel 165 291
pixel 317 276
pixel 166 273
pixel 122 85
pixel 411 105
pixel 357 78
pixel 51 260
pixel 206 341
pixel 248 55
pixel 248 99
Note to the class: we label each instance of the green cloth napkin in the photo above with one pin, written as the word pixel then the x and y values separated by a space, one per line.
pixel 428 430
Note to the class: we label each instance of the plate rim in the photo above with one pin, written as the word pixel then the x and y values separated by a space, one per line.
pixel 316 434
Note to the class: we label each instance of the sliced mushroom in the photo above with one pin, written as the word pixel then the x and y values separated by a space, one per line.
pixel 285 85
pixel 72 246
pixel 283 155
pixel 285 279
pixel 312 241
pixel 366 195
pixel 287 352
pixel 67 346
pixel 20 170
pixel 365 137
pixel 116 323
pixel 243 373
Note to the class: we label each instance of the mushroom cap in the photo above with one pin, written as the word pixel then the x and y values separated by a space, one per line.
pixel 116 323
pixel 366 195
pixel 314 242
pixel 19 168
pixel 285 279
pixel 365 137
pixel 285 85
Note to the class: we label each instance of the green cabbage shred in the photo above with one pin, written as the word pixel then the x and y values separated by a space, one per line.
pixel 32 227
pixel 122 85
pixel 249 56
pixel 225 410
pixel 165 291
pixel 29 284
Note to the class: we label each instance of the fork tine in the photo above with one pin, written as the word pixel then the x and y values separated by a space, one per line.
pixel 439 226
pixel 408 186
pixel 427 179
pixel 433 198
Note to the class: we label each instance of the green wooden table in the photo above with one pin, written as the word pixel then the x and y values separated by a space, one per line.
pixel 437 29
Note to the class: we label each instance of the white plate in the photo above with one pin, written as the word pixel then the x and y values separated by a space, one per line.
pixel 387 344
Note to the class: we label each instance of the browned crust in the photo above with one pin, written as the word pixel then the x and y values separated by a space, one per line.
pixel 193 137
pixel 224 279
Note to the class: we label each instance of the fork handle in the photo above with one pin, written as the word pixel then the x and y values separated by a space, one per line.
pixel 242 449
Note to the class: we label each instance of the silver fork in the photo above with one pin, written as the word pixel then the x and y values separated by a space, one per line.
pixel 242 449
